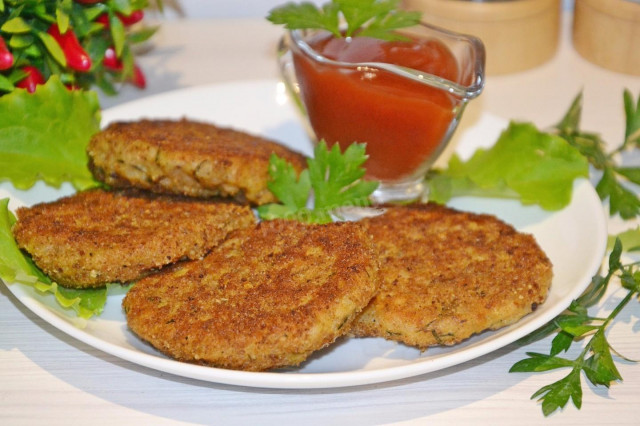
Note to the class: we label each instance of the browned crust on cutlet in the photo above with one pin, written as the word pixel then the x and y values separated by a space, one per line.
pixel 97 237
pixel 188 158
pixel 267 297
pixel 446 275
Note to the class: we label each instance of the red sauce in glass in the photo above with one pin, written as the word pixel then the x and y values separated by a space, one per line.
pixel 401 121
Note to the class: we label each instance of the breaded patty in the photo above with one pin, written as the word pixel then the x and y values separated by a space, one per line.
pixel 187 158
pixel 97 237
pixel 267 297
pixel 446 275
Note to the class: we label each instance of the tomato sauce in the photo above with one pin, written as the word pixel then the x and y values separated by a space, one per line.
pixel 401 121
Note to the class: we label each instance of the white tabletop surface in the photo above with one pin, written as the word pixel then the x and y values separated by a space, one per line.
pixel 49 378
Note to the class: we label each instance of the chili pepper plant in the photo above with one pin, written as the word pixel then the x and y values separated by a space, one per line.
pixel 85 43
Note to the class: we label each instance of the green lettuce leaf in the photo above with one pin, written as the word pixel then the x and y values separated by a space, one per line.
pixel 17 269
pixel 536 167
pixel 44 135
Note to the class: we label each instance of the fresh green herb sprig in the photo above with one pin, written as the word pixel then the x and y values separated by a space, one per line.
pixel 596 358
pixel 333 179
pixel 366 18
pixel 612 183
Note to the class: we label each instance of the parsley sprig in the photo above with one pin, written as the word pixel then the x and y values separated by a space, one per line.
pixel 366 18
pixel 596 358
pixel 612 184
pixel 333 179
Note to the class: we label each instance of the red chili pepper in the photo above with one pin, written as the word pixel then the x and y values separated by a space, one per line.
pixel 111 60
pixel 103 19
pixel 77 58
pixel 33 78
pixel 6 58
pixel 135 17
pixel 138 79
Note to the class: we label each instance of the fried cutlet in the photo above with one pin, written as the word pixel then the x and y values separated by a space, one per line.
pixel 446 275
pixel 267 297
pixel 97 237
pixel 187 158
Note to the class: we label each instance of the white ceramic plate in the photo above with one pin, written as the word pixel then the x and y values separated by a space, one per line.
pixel 573 238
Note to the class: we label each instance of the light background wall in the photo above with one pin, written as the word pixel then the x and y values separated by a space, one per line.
pixel 244 8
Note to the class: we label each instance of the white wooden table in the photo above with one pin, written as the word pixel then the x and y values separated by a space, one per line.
pixel 48 378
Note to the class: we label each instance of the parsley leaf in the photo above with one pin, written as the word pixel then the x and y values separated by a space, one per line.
pixel 632 115
pixel 611 185
pixel 370 18
pixel 333 179
pixel 307 16
pixel 291 190
pixel 596 358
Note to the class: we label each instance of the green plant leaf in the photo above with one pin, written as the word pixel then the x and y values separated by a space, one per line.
pixel 600 368
pixel 21 41
pixel 118 34
pixel 16 25
pixel 538 167
pixel 334 178
pixel 539 362
pixel 575 325
pixel 37 141
pixel 123 6
pixel 141 35
pixel 621 200
pixel 370 18
pixel 306 15
pixel 556 395
pixel 52 47
pixel 561 343
pixel 63 10
pixel 632 115
pixel 5 84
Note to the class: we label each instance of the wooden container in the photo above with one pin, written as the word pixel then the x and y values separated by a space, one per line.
pixel 607 33
pixel 517 34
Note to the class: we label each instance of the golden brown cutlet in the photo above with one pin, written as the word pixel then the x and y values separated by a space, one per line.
pixel 188 158
pixel 267 297
pixel 446 275
pixel 97 237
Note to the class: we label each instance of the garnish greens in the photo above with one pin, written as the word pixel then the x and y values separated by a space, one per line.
pixel 44 135
pixel 15 267
pixel 365 18
pixel 621 199
pixel 333 178
pixel 524 163
pixel 596 358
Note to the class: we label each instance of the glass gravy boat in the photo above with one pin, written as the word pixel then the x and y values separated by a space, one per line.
pixel 405 116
